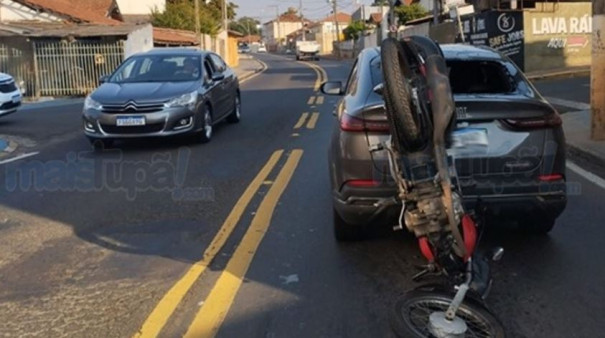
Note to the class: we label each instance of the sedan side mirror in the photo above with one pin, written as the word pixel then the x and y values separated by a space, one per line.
pixel 332 88
pixel 218 77
pixel 103 79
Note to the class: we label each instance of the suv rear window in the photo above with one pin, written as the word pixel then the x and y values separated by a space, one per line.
pixel 469 77
pixel 479 77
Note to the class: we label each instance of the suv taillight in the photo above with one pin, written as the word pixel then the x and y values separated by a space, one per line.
pixel 548 121
pixel 355 124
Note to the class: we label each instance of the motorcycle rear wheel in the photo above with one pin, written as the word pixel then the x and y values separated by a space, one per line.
pixel 410 316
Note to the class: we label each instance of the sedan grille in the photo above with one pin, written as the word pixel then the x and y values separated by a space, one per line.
pixel 132 107
pixel 150 128
pixel 8 87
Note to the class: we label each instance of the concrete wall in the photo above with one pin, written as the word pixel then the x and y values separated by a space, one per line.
pixel 138 41
pixel 558 35
pixel 421 29
pixel 134 7
pixel 12 11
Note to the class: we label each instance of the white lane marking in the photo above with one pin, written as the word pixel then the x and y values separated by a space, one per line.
pixel 20 157
pixel 586 174
pixel 567 103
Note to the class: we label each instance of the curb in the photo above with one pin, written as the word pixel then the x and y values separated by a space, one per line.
pixel 585 155
pixel 560 74
pixel 257 71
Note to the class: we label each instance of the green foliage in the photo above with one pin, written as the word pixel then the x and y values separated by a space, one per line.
pixel 411 12
pixel 245 25
pixel 291 10
pixel 180 14
pixel 355 30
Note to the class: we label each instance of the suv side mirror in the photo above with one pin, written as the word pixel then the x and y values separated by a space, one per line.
pixel 379 89
pixel 218 77
pixel 332 88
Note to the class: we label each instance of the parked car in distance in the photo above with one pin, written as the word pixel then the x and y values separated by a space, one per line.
pixel 508 146
pixel 244 49
pixel 10 95
pixel 262 49
pixel 160 93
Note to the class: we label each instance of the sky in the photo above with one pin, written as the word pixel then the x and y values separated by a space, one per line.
pixel 264 10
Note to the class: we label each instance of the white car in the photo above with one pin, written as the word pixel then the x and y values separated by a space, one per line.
pixel 10 95
pixel 262 49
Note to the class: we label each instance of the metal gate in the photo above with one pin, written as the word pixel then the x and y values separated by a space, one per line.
pixel 74 68
pixel 18 62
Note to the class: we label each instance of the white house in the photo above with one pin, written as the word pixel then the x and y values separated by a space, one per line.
pixel 325 33
pixel 140 7
pixel 276 31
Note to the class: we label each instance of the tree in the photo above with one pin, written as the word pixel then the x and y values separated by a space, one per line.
pixel 245 25
pixel 354 30
pixel 411 12
pixel 180 14
pixel 291 11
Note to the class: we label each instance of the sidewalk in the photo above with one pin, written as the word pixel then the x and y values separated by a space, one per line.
pixel 248 66
pixel 577 133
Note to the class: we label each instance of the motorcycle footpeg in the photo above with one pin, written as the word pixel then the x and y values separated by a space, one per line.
pixel 426 270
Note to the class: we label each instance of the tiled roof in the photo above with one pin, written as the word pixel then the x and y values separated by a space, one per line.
pixel 288 18
pixel 174 36
pixel 54 29
pixel 251 38
pixel 340 17
pixel 91 11
pixel 376 17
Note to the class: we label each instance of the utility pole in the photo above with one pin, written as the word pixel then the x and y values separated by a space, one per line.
pixel 278 23
pixel 335 10
pixel 436 11
pixel 302 21
pixel 198 29
pixel 597 81
pixel 226 28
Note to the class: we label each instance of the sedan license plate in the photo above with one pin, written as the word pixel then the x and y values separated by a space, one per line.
pixel 125 121
pixel 469 137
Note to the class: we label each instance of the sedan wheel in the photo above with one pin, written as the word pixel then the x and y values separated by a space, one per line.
pixel 206 133
pixel 235 116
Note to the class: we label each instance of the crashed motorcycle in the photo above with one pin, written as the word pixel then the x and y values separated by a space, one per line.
pixel 420 110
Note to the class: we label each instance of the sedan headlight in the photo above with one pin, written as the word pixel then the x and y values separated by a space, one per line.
pixel 187 100
pixel 89 103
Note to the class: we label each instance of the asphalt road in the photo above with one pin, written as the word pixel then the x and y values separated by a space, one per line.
pixel 234 237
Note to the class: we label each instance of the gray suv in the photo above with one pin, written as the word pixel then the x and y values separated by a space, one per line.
pixel 508 144
pixel 163 92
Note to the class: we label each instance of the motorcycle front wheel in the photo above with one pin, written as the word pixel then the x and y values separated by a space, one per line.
pixel 410 316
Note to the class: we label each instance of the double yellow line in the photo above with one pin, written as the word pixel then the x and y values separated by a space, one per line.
pixel 312 120
pixel 322 76
pixel 217 304
pixel 315 100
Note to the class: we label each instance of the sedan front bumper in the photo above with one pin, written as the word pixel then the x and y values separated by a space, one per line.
pixel 167 122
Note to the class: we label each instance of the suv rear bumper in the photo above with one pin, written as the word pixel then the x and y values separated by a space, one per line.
pixel 361 209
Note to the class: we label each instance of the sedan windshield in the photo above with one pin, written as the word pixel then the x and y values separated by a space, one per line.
pixel 158 68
